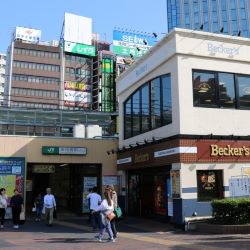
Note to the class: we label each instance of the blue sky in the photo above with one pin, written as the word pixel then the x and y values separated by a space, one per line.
pixel 47 15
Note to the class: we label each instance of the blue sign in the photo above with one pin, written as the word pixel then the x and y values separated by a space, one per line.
pixel 133 38
pixel 11 166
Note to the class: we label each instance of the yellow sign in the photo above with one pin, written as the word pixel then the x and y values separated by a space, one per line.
pixel 76 85
pixel 141 157
pixel 9 183
pixel 229 151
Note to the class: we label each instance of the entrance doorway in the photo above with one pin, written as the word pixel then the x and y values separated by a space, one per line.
pixel 66 181
pixel 148 191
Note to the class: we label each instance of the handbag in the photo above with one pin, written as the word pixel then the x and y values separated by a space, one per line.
pixel 34 209
pixel 111 216
pixel 118 212
pixel 22 218
pixel 54 214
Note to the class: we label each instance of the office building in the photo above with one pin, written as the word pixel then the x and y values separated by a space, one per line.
pixel 33 71
pixel 225 16
pixel 184 125
pixel 2 76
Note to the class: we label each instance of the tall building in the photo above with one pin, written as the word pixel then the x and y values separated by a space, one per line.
pixel 33 71
pixel 2 76
pixel 224 16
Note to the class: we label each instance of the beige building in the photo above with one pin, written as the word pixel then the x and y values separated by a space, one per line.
pixel 70 166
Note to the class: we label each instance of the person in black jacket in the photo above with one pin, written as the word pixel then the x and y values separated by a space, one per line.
pixel 16 204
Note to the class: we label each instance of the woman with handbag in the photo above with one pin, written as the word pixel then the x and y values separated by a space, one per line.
pixel 106 209
pixel 114 199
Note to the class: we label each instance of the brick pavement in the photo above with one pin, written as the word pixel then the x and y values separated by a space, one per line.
pixel 134 233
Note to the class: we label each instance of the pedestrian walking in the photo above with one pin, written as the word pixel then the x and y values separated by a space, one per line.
pixel 106 211
pixel 3 205
pixel 39 206
pixel 50 206
pixel 16 203
pixel 94 201
pixel 114 199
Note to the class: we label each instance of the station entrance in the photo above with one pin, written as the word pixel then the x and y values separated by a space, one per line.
pixel 66 181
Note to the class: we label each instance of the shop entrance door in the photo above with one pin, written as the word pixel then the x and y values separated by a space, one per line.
pixel 134 202
pixel 161 194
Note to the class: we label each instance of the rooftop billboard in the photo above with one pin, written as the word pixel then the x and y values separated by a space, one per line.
pixel 129 43
pixel 27 34
pixel 77 29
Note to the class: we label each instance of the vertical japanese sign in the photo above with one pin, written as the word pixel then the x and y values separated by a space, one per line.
pixel 107 94
pixel 175 183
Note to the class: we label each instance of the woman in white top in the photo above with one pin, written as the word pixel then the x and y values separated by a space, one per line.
pixel 105 208
pixel 3 205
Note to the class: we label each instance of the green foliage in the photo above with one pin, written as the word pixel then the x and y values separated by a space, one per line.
pixel 231 211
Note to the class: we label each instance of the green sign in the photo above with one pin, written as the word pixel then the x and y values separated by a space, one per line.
pixel 50 150
pixel 126 51
pixel 79 48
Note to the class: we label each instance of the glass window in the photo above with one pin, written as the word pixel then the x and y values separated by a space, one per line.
pixel 155 103
pixel 166 100
pixel 145 107
pixel 226 90
pixel 209 185
pixel 136 113
pixel 204 89
pixel 244 91
pixel 127 119
pixel 149 107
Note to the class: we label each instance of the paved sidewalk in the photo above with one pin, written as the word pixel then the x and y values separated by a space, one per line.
pixel 134 233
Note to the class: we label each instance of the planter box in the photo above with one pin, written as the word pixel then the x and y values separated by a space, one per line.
pixel 222 229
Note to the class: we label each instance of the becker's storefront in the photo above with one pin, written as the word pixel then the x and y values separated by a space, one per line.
pixel 184 125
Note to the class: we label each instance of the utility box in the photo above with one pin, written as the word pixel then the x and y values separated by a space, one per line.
pixel 79 131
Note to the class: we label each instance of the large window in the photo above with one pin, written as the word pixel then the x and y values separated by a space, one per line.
pixel 244 91
pixel 209 185
pixel 149 107
pixel 204 88
pixel 221 90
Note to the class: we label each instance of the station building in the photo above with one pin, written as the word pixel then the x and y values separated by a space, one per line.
pixel 184 124
pixel 61 149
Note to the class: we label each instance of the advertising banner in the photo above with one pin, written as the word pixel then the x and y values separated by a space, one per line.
pixel 28 34
pixel 136 44
pixel 76 94
pixel 77 29
pixel 78 48
pixel 12 174
pixel 107 94
pixel 239 186
pixel 175 183
pixel 88 183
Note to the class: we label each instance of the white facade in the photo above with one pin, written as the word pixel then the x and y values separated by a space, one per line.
pixel 2 76
pixel 179 53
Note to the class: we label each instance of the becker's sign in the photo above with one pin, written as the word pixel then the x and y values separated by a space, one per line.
pixel 229 150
